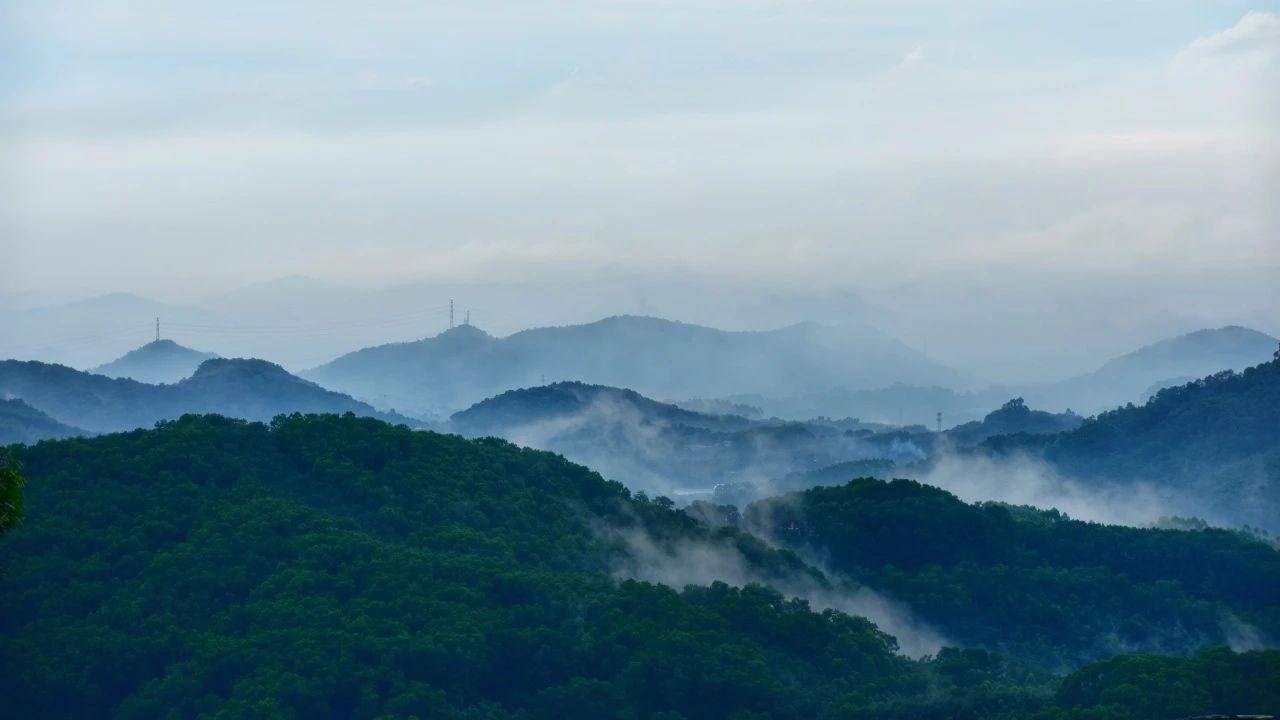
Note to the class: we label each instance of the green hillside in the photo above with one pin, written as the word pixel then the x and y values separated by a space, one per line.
pixel 1210 447
pixel 333 566
pixel 1030 582
pixel 340 567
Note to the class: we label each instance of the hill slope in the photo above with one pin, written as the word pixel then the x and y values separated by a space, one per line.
pixel 1210 448
pixel 655 357
pixel 21 423
pixel 1011 418
pixel 1127 378
pixel 337 567
pixel 661 448
pixel 251 389
pixel 333 567
pixel 1031 582
pixel 159 361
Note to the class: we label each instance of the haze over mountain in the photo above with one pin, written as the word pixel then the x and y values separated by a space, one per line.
pixel 301 322
pixel 243 388
pixel 1129 378
pixel 1031 582
pixel 159 361
pixel 599 360
pixel 1014 417
pixel 21 423
pixel 663 449
pixel 1210 448
pixel 652 356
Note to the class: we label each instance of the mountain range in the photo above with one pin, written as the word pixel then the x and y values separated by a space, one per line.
pixel 250 389
pixel 656 357
pixel 1129 378
pixel 663 449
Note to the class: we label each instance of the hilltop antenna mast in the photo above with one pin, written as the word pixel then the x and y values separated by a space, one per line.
pixel 939 421
pixel 157 329
pixel 468 320
pixel 450 313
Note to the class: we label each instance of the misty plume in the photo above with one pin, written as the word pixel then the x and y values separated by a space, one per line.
pixel 1024 480
pixel 681 562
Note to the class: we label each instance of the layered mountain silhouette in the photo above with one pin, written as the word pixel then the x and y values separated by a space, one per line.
pixel 664 449
pixel 21 423
pixel 159 361
pixel 1129 378
pixel 243 388
pixel 1210 448
pixel 334 566
pixel 656 357
pixel 1132 376
pixel 1013 417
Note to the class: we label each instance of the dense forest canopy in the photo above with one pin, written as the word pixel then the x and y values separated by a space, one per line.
pixel 1029 582
pixel 1212 446
pixel 326 566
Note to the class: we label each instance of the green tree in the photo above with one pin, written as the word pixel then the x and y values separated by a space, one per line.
pixel 11 481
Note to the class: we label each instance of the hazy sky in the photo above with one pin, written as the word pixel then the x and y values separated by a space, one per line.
pixel 1030 170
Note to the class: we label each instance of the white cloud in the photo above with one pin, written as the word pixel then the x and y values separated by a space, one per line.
pixel 917 55
pixel 1257 34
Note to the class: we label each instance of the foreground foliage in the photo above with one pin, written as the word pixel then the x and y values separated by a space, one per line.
pixel 340 567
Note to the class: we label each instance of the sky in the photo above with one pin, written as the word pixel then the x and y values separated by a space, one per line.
pixel 1019 187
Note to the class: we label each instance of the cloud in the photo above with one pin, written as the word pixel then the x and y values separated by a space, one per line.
pixel 1023 480
pixel 916 56
pixel 698 562
pixel 1257 34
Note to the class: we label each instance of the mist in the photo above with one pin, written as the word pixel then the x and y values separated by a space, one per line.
pixel 689 562
pixel 1025 480
pixel 700 163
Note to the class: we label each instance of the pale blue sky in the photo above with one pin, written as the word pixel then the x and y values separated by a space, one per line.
pixel 980 157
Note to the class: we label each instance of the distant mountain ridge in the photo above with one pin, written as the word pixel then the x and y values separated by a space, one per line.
pixel 159 361
pixel 653 356
pixel 21 423
pixel 1129 377
pixel 243 388
pixel 1211 448
pixel 663 449
pixel 1013 417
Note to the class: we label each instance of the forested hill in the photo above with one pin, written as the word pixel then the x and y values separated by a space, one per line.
pixel 333 566
pixel 245 388
pixel 159 361
pixel 341 567
pixel 567 400
pixel 1013 417
pixel 1212 447
pixel 21 423
pixel 656 357
pixel 661 448
pixel 1031 582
